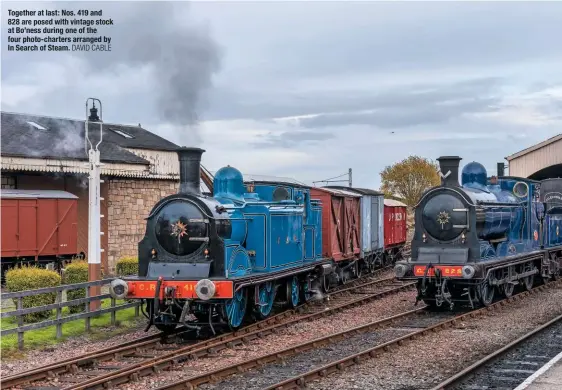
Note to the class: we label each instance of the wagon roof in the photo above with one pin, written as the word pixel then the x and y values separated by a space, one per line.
pixel 362 191
pixel 394 203
pixel 335 191
pixel 249 178
pixel 35 194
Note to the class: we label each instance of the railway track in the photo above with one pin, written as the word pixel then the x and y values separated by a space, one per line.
pixel 509 366
pixel 267 364
pixel 152 351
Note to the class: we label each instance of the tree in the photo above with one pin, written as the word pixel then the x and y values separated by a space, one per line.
pixel 409 178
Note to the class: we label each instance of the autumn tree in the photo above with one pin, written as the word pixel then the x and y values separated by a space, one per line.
pixel 409 178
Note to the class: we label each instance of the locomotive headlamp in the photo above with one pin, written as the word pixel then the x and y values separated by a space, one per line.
pixel 205 289
pixel 118 289
pixel 468 271
pixel 400 270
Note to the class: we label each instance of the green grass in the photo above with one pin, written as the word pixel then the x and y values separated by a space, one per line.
pixel 45 337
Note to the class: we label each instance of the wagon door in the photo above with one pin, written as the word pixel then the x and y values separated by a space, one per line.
pixel 338 231
pixel 376 211
pixel 9 227
pixel 67 226
pixel 27 228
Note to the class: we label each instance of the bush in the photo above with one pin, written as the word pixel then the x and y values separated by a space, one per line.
pixel 76 272
pixel 32 278
pixel 127 266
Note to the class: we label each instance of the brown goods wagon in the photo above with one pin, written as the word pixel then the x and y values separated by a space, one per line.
pixel 38 225
pixel 395 227
pixel 341 225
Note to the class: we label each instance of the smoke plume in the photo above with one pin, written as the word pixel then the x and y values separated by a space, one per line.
pixel 182 55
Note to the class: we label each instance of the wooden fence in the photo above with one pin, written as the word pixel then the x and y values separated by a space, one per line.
pixel 58 306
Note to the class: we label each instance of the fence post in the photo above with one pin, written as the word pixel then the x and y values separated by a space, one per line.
pixel 20 324
pixel 59 314
pixel 113 312
pixel 137 310
pixel 87 304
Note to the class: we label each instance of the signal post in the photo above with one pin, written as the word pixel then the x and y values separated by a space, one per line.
pixel 94 199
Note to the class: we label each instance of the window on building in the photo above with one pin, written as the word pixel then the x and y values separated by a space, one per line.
pixel 122 133
pixel 8 182
pixel 37 126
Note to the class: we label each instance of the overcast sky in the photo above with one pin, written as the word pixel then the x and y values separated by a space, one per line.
pixel 308 89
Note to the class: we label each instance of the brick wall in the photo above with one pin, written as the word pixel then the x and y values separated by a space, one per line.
pixel 129 202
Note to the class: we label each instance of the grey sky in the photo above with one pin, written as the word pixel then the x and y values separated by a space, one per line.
pixel 309 89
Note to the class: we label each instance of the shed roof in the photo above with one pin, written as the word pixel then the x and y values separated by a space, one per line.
pixel 534 147
pixel 36 136
pixel 36 194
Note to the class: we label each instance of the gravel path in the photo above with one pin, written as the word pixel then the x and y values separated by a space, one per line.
pixel 426 362
pixel 293 335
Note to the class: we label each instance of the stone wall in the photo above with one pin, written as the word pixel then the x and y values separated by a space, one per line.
pixel 129 203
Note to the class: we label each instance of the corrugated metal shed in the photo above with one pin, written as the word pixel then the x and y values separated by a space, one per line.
pixel 531 161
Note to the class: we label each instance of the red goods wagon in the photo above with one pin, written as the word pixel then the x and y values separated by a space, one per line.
pixel 341 225
pixel 38 225
pixel 395 228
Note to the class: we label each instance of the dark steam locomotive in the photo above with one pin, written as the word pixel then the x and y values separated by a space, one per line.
pixel 483 236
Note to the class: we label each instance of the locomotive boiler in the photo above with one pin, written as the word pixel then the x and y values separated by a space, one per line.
pixel 475 237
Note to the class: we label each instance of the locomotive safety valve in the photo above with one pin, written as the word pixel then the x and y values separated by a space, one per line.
pixel 205 289
pixel 468 271
pixel 118 289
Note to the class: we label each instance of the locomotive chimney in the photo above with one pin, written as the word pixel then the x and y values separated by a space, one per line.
pixel 501 168
pixel 190 164
pixel 449 170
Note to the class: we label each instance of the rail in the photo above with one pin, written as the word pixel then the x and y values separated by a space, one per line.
pixel 21 328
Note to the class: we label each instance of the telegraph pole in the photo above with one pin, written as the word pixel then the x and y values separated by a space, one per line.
pixel 350 178
pixel 94 199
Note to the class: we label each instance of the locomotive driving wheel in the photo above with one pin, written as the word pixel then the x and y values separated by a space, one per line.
pixel 528 281
pixel 293 292
pixel 266 293
pixel 486 292
pixel 508 289
pixel 235 308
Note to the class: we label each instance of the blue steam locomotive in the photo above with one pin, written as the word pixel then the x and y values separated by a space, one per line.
pixel 483 236
pixel 209 260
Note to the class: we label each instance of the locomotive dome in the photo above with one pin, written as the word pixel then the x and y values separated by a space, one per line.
pixel 474 173
pixel 229 183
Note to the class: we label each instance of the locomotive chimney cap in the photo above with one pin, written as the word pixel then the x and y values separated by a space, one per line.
pixel 449 170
